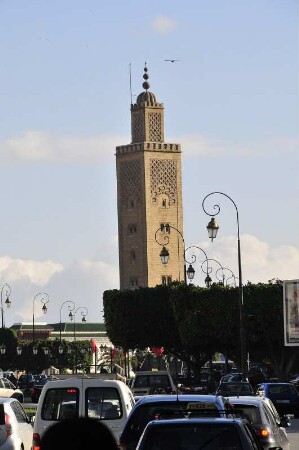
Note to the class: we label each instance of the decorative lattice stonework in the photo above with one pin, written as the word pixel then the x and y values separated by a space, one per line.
pixel 163 179
pixel 130 182
pixel 155 127
pixel 138 128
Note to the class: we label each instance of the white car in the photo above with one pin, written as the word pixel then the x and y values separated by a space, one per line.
pixel 107 400
pixel 15 427
pixel 8 389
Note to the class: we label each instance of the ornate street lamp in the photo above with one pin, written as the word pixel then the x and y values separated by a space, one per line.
pixel 71 307
pixel 2 349
pixel 84 313
pixel 164 254
pixel 212 231
pixel 44 298
pixel 7 290
pixel 19 350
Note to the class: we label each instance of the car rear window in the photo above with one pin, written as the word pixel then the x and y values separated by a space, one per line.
pixel 151 381
pixel 60 404
pixel 282 389
pixel 248 412
pixel 142 415
pixel 192 436
pixel 103 403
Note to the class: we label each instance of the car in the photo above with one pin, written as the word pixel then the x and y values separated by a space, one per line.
pixel 234 388
pixel 37 387
pixel 162 406
pixel 25 381
pixel 264 418
pixel 15 427
pixel 284 396
pixel 153 382
pixel 7 389
pixel 107 400
pixel 200 433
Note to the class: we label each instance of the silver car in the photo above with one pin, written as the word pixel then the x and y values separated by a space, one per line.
pixel 15 427
pixel 264 418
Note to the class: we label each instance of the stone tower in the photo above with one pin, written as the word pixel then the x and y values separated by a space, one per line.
pixel 149 194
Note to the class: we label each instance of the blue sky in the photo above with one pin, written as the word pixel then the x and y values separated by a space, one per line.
pixel 231 101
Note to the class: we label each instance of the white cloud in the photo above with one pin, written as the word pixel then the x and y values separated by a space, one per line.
pixel 201 146
pixel 164 24
pixel 260 262
pixel 42 146
pixel 33 146
pixel 34 272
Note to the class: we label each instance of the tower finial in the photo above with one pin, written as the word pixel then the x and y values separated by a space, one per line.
pixel 145 84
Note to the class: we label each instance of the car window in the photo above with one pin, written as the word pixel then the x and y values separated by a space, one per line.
pixel 281 389
pixel 249 412
pixel 269 415
pixel 19 412
pixel 6 383
pixel 143 414
pixel 252 437
pixel 151 380
pixel 192 436
pixel 103 403
pixel 60 404
pixel 1 383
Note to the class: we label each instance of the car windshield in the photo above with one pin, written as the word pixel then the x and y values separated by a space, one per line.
pixel 192 436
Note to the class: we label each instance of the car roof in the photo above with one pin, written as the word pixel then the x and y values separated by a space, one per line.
pixel 152 372
pixel 7 399
pixel 246 399
pixel 217 420
pixel 180 398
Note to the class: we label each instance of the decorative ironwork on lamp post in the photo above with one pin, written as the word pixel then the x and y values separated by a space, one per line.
pixel 212 228
pixel 7 290
pixel 44 298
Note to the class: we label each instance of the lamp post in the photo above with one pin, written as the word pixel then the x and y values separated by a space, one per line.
pixel 191 271
pixel 164 254
pixel 7 290
pixel 212 228
pixel 71 307
pixel 84 313
pixel 44 298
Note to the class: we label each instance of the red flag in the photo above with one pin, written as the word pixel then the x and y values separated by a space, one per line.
pixel 158 351
pixel 94 346
pixel 113 352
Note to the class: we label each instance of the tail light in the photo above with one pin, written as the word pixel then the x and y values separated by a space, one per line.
pixel 263 432
pixel 36 441
pixel 8 425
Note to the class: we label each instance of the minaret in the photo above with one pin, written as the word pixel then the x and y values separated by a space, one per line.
pixel 149 194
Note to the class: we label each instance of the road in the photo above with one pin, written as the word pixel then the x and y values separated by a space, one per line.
pixel 293 434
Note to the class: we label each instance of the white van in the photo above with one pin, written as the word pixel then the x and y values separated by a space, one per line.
pixel 107 400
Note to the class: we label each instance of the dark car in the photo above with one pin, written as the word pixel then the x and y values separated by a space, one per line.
pixel 37 387
pixel 234 388
pixel 203 433
pixel 284 396
pixel 25 382
pixel 168 406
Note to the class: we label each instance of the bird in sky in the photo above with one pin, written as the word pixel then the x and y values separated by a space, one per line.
pixel 171 60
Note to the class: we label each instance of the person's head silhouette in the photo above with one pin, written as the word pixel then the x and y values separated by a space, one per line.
pixel 78 434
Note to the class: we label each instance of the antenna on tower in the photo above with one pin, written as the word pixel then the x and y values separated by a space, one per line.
pixel 130 74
